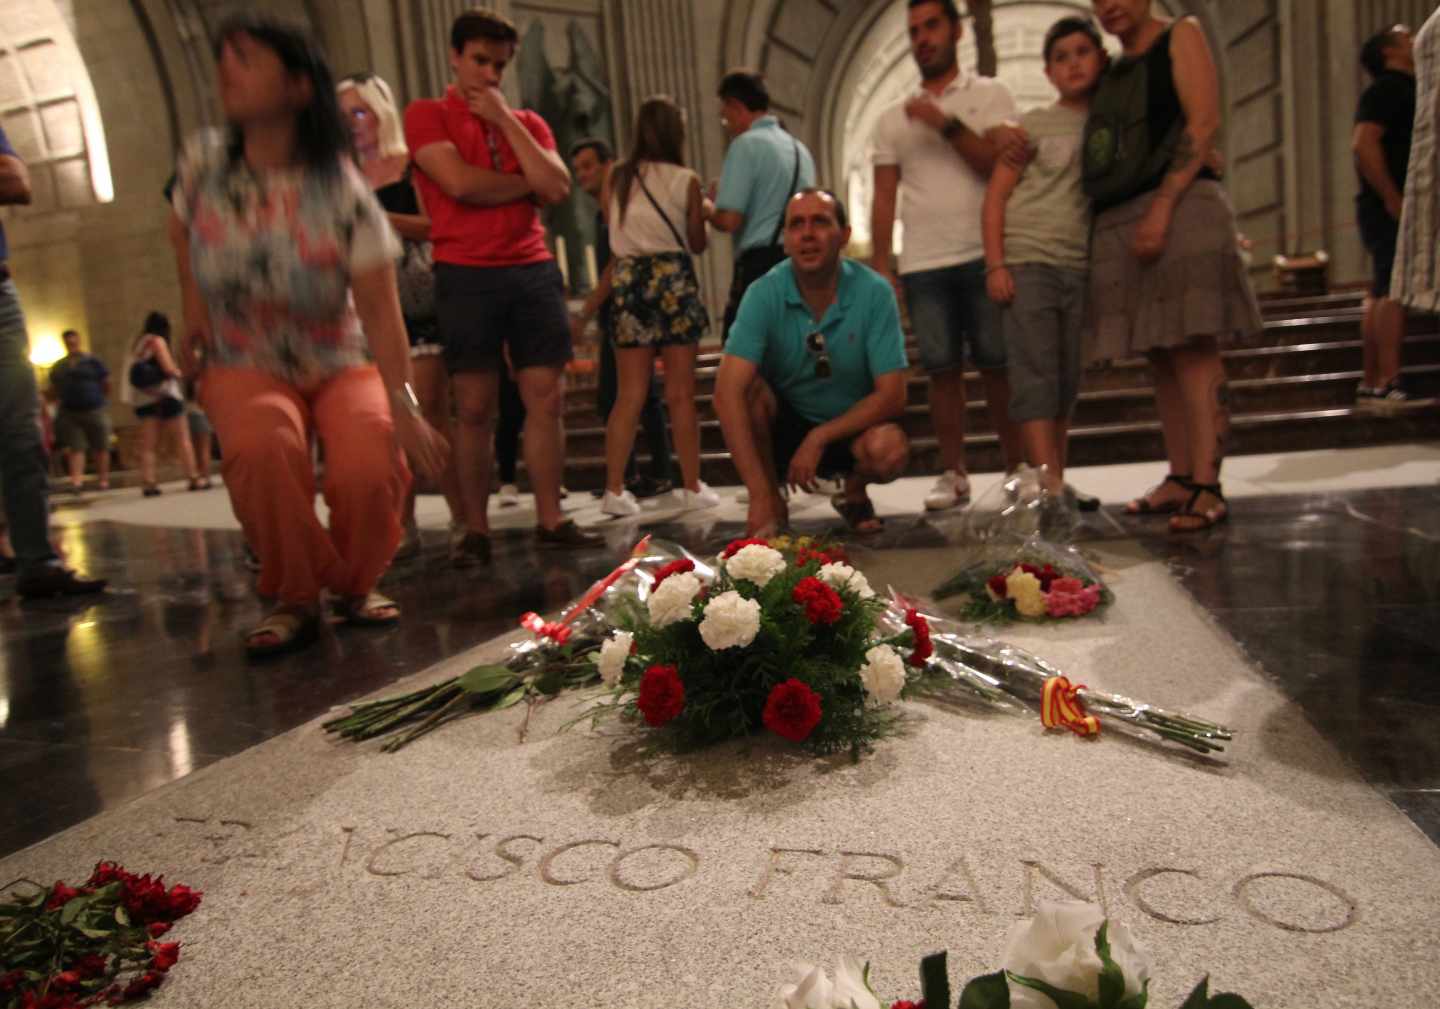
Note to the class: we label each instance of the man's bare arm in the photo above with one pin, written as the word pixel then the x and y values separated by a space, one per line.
pixel 460 180
pixel 14 180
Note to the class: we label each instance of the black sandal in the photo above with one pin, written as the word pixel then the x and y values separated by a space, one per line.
pixel 1142 506
pixel 856 513
pixel 1181 522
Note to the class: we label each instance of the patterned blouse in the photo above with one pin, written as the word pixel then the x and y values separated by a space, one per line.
pixel 273 254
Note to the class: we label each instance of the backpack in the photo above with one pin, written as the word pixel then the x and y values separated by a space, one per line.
pixel 1120 157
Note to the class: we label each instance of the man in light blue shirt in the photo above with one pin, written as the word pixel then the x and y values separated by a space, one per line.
pixel 763 167
pixel 814 373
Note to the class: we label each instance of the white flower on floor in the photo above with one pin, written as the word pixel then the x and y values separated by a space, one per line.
pixel 813 990
pixel 670 603
pixel 755 564
pixel 613 654
pixel 731 621
pixel 843 576
pixel 883 674
pixel 1057 946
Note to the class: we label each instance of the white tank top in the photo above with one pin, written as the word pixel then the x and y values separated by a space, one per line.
pixel 644 232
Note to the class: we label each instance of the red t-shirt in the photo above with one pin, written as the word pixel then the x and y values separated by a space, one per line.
pixel 463 233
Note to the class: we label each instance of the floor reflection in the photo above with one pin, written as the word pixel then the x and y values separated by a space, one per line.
pixel 1334 596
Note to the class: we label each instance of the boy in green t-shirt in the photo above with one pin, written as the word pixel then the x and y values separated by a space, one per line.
pixel 1036 224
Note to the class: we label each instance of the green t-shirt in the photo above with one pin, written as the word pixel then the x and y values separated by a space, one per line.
pixel 1048 217
pixel 862 336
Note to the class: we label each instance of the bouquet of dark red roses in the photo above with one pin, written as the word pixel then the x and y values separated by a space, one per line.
pixel 63 947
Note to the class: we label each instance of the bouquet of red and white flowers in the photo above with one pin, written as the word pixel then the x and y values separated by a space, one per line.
pixel 789 644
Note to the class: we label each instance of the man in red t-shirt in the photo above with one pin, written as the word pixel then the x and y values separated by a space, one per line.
pixel 485 171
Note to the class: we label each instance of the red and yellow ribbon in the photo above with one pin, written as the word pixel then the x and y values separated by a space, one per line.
pixel 1061 708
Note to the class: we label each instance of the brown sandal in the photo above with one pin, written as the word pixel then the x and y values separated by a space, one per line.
pixel 365 611
pixel 293 627
pixel 1142 506
pixel 1189 520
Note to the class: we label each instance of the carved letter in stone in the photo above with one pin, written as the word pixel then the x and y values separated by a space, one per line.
pixel 1132 890
pixel 549 860
pixel 373 868
pixel 773 866
pixel 1031 868
pixel 938 891
pixel 681 873
pixel 877 878
pixel 1242 894
pixel 502 851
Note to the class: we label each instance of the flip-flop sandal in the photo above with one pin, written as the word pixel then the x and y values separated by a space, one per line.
pixel 360 611
pixel 291 629
pixel 1188 520
pixel 855 513
pixel 1142 506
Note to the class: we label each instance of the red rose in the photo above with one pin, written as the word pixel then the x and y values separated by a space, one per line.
pixel 1047 575
pixel 107 872
pixel 737 545
pixel 792 711
pixel 905 1003
pixel 822 604
pixel 157 928
pixel 60 896
pixel 10 980
pixel 183 900
pixel 673 568
pixel 65 980
pixel 91 965
pixel 142 984
pixel 662 695
pixel 923 647
pixel 164 954
pixel 997 586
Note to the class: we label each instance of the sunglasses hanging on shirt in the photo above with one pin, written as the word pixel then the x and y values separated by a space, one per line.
pixel 815 343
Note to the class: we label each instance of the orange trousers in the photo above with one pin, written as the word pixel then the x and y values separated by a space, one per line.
pixel 264 426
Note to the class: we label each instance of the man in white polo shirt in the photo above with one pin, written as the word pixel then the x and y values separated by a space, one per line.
pixel 931 150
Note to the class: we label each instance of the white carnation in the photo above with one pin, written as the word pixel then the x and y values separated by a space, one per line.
pixel 613 654
pixel 731 621
pixel 670 603
pixel 755 564
pixel 843 576
pixel 883 674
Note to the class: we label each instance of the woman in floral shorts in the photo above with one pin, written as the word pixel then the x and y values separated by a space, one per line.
pixel 656 303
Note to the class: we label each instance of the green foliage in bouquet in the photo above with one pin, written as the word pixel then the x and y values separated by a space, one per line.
pixel 789 644
pixel 1027 588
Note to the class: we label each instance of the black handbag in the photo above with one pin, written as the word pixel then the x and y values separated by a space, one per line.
pixel 146 373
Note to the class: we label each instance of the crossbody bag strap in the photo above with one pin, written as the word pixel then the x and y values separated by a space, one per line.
pixel 659 210
pixel 794 181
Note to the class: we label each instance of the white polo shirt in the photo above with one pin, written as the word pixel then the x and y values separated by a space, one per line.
pixel 940 194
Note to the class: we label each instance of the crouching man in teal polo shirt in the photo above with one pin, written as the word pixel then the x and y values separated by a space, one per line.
pixel 814 373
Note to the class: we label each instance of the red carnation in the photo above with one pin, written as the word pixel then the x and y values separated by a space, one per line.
pixel 805 555
pixel 164 954
pixel 792 711
pixel 923 647
pixel 60 896
pixel 737 545
pixel 662 695
pixel 997 586
pixel 673 568
pixel 822 604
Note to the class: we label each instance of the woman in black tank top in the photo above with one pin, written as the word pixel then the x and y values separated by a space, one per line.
pixel 1166 276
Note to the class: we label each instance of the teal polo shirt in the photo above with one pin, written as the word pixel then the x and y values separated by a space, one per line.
pixel 755 179
pixel 862 336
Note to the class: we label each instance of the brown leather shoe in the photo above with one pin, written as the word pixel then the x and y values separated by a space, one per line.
pixel 57 581
pixel 567 534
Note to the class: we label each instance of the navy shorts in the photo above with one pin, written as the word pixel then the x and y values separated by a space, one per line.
pixel 1380 232
pixel 950 310
pixel 483 309
pixel 790 429
pixel 166 408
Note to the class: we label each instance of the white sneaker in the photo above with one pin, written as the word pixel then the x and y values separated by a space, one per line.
pixel 951 489
pixel 694 499
pixel 828 487
pixel 508 496
pixel 619 505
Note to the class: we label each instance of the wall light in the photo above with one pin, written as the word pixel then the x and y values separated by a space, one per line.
pixel 46 349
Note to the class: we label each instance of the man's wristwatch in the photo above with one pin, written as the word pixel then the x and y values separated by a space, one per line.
pixel 952 127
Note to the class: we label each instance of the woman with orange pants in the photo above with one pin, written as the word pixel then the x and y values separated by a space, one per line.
pixel 287 265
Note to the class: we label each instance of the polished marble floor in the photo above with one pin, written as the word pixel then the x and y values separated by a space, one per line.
pixel 1335 595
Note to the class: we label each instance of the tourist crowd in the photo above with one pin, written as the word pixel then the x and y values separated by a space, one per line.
pixel 377 282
